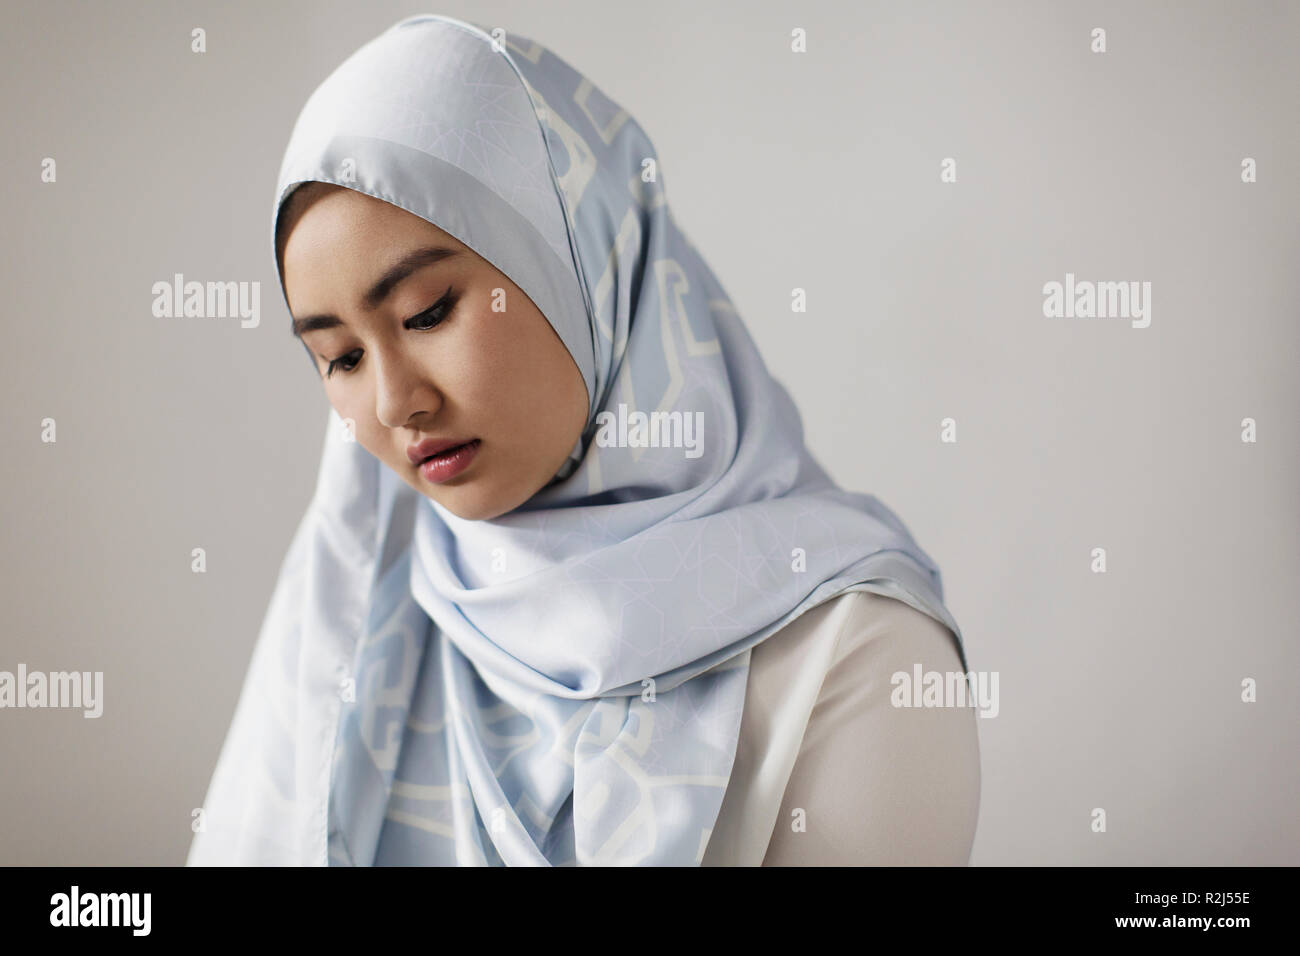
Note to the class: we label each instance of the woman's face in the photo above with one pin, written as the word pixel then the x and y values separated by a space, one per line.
pixel 447 348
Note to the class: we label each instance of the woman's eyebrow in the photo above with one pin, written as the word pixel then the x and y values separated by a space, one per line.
pixel 376 294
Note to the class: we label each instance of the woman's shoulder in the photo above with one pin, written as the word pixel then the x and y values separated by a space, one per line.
pixel 836 632
pixel 818 723
pixel 876 780
pixel 872 640
pixel 873 632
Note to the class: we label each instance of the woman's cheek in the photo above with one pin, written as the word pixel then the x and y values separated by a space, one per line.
pixel 347 407
pixel 491 369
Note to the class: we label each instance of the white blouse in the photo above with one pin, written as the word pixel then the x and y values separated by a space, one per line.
pixel 827 771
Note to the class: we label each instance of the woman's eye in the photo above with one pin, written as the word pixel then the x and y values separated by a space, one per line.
pixel 346 362
pixel 430 318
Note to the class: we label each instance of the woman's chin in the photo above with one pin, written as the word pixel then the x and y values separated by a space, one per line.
pixel 465 504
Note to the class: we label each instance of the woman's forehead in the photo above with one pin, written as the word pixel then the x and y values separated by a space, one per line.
pixel 338 213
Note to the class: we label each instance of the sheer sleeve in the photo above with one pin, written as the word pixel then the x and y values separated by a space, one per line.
pixel 879 784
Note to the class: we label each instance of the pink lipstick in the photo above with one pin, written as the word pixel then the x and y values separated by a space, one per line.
pixel 450 463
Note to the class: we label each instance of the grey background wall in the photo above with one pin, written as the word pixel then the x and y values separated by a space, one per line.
pixel 820 170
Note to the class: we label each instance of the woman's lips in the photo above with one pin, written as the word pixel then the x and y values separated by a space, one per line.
pixel 450 463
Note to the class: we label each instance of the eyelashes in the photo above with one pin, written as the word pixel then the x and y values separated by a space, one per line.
pixel 425 321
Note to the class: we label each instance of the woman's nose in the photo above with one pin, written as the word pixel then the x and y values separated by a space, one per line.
pixel 403 390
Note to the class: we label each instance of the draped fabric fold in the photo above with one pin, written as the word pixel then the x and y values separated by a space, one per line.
pixel 562 684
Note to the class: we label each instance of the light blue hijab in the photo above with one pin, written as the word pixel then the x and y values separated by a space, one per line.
pixel 562 684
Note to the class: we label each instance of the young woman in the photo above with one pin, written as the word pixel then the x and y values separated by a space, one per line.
pixel 571 589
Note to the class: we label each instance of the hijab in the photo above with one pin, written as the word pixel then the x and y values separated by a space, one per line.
pixel 562 684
